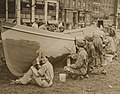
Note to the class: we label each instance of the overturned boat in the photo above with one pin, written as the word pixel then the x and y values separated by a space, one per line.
pixel 20 44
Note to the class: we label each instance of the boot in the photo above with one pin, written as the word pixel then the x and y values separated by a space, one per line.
pixel 14 82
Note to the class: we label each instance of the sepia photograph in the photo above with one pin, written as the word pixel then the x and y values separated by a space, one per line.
pixel 59 46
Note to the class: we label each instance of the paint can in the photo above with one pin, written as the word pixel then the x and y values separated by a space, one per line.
pixel 62 77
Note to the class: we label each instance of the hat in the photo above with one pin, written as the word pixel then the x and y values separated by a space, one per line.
pixel 88 38
pixel 80 42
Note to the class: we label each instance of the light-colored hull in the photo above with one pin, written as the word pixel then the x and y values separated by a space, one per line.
pixel 20 44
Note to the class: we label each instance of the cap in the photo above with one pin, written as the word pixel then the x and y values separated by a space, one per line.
pixel 80 42
pixel 88 38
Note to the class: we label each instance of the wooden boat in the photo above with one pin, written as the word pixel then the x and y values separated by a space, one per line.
pixel 20 44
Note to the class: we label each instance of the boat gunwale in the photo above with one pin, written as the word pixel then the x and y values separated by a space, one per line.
pixel 40 34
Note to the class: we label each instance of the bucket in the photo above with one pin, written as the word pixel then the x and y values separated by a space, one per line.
pixel 62 77
pixel 108 58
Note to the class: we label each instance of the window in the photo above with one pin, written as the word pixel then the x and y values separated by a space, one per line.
pixel 11 9
pixel 68 3
pixel 52 10
pixel 74 3
pixel 79 4
pixel 52 6
pixel 39 9
pixel 84 4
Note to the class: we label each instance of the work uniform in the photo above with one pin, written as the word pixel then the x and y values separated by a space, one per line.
pixel 112 34
pixel 110 47
pixel 98 44
pixel 43 76
pixel 80 66
pixel 91 56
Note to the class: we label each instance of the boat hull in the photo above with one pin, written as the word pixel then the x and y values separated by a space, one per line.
pixel 21 43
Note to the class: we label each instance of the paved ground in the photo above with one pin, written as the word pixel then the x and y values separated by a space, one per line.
pixel 96 84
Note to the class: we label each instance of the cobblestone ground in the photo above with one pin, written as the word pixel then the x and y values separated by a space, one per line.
pixel 96 84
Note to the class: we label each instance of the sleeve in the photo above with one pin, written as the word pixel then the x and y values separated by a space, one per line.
pixel 42 70
pixel 109 49
pixel 80 60
pixel 73 56
pixel 34 70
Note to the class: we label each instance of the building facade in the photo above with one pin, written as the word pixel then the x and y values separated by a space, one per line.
pixel 109 10
pixel 70 12
pixel 85 11
pixel 74 12
pixel 29 10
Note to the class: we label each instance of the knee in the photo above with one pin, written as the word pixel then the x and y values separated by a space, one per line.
pixel 66 68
